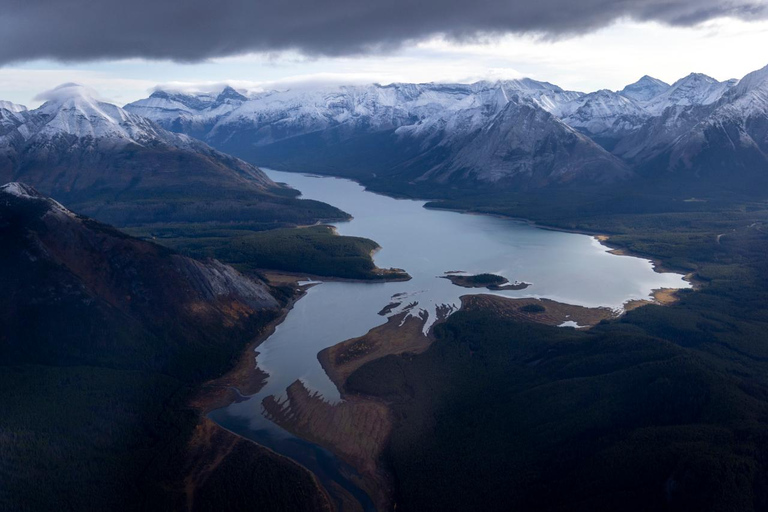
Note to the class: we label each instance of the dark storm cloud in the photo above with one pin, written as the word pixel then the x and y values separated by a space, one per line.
pixel 192 30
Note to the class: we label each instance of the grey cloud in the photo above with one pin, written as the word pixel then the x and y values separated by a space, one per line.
pixel 194 30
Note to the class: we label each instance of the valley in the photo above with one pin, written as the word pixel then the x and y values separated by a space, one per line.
pixel 699 346
pixel 307 397
pixel 563 291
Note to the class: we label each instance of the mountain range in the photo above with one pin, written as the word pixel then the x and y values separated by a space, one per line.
pixel 154 160
pixel 509 134
pixel 125 169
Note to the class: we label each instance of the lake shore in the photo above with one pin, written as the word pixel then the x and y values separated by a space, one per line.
pixel 212 445
pixel 602 237
pixel 357 429
pixel 362 424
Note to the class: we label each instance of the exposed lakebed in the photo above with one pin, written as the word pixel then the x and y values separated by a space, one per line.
pixel 428 244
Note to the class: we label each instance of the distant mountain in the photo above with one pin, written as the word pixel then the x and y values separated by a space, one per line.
pixel 12 107
pixel 644 89
pixel 728 142
pixel 522 146
pixel 446 133
pixel 274 115
pixel 124 169
pixel 694 89
pixel 657 133
pixel 605 116
pixel 475 135
pixel 11 116
pixel 193 114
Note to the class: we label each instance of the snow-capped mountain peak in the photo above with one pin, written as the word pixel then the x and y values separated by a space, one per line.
pixel 72 109
pixel 178 100
pixel 229 93
pixel 11 116
pixel 694 89
pixel 77 146
pixel 69 91
pixel 644 89
pixel 75 110
pixel 12 107
pixel 191 113
pixel 19 189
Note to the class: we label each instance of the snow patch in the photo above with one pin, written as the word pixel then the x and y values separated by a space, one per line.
pixel 20 190
pixel 24 191
pixel 571 323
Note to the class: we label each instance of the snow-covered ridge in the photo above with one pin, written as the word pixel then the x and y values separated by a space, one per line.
pixel 751 81
pixel 694 89
pixel 604 112
pixel 644 89
pixel 416 108
pixel 481 125
pixel 24 191
pixel 72 110
pixel 76 110
pixel 12 107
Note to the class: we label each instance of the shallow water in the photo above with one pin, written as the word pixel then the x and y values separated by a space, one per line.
pixel 566 267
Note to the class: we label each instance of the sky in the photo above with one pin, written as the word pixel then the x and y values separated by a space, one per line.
pixel 201 45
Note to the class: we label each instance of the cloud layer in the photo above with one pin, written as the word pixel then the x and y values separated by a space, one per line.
pixel 194 30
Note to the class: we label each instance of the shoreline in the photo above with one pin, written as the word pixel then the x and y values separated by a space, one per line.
pixel 241 379
pixel 311 414
pixel 363 424
pixel 241 376
pixel 602 237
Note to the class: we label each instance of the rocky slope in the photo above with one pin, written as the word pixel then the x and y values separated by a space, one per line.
pixel 58 267
pixel 104 341
pixel 524 147
pixel 125 169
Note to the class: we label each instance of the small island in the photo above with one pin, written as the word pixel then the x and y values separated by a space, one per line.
pixel 489 281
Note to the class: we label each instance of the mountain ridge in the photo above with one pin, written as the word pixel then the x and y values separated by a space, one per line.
pixel 412 133
pixel 124 169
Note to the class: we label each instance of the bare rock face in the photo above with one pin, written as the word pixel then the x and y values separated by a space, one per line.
pixel 214 280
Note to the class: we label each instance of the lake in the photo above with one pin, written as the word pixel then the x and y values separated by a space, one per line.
pixel 566 267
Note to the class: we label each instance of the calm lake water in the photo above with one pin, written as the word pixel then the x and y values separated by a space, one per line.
pixel 566 267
